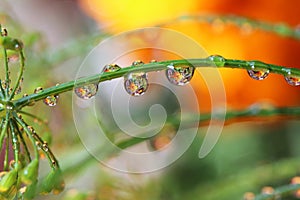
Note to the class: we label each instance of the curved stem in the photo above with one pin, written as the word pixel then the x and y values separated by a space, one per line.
pixel 212 61
pixel 29 134
pixel 5 165
pixel 22 140
pixel 281 29
pixel 39 119
pixel 16 144
pixel 280 192
pixel 39 142
pixel 18 82
pixel 7 80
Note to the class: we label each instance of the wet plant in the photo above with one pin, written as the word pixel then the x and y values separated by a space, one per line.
pixel 19 177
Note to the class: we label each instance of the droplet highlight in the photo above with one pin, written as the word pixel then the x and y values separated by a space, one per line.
pixel 217 60
pixel 51 100
pixel 292 80
pixel 137 63
pixel 111 68
pixel 136 84
pixel 257 73
pixel 38 90
pixel 86 91
pixel 180 74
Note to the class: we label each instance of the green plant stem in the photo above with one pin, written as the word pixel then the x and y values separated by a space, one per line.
pixel 6 73
pixel 213 61
pixel 247 180
pixel 22 140
pixel 15 143
pixel 28 133
pixel 4 125
pixel 280 192
pixel 281 29
pixel 18 82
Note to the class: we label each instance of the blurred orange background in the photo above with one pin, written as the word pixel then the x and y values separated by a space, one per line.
pixel 115 16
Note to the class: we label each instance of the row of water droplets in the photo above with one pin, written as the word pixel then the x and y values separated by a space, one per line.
pixel 136 83
pixel 258 70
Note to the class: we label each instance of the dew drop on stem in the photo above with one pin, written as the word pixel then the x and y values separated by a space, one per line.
pixel 217 60
pixel 257 73
pixel 86 91
pixel 111 68
pixel 51 100
pixel 291 79
pixel 136 84
pixel 137 63
pixel 38 90
pixel 180 74
pixel 267 190
pixel 249 196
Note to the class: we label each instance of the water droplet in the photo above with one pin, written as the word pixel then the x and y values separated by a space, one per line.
pixel 163 138
pixel 45 147
pixel 249 196
pixel 246 28
pixel 137 63
pixel 257 73
pixel 18 90
pixel 153 61
pixel 180 74
pixel 218 25
pixel 217 60
pixel 267 190
pixel 136 84
pixel 4 32
pixel 51 100
pixel 296 180
pixel 25 95
pixel 30 128
pixel 38 90
pixel 86 91
pixel 292 80
pixel 111 68
pixel 4 84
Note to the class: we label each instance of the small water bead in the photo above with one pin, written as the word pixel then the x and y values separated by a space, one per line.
pixel 18 90
pixel 258 73
pixel 136 84
pixel 292 80
pixel 259 70
pixel 111 68
pixel 153 61
pixel 217 60
pixel 137 63
pixel 38 90
pixel 45 147
pixel 267 190
pixel 249 196
pixel 86 91
pixel 180 74
pixel 4 32
pixel 296 180
pixel 163 138
pixel 51 100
